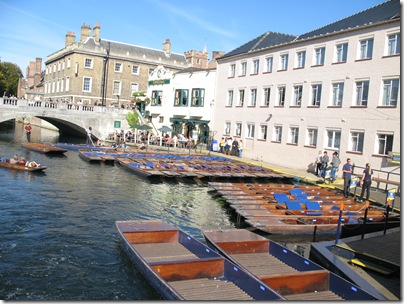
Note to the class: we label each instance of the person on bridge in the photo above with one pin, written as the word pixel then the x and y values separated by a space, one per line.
pixel 89 134
pixel 28 129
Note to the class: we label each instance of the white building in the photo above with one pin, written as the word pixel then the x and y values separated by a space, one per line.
pixel 333 89
pixel 182 100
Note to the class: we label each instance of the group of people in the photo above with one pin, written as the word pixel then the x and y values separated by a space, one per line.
pixel 365 180
pixel 22 161
pixel 230 146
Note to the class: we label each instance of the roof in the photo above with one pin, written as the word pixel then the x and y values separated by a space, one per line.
pixel 192 70
pixel 383 12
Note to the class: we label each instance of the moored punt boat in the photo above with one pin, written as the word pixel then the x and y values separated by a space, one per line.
pixel 293 276
pixel 180 267
pixel 21 167
pixel 71 146
pixel 139 168
pixel 44 148
pixel 101 156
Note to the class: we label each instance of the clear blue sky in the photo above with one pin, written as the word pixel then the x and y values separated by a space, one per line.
pixel 31 29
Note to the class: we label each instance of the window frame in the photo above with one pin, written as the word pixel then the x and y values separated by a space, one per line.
pixel 156 98
pixel 316 91
pixel 263 132
pixel 366 48
pixel 386 98
pixel 88 63
pixel 281 95
pixel 266 97
pixel 319 56
pixel 137 72
pixel 243 69
pixel 337 94
pixel 230 97
pixel 277 133
pixel 311 137
pixel 117 88
pixel 388 143
pixel 333 142
pixel 393 45
pixel 197 97
pixel 118 67
pixel 238 129
pixel 283 62
pixel 232 70
pixel 300 59
pixel 253 98
pixel 361 91
pixel 227 128
pixel 297 95
pixel 85 84
pixel 356 141
pixel 255 67
pixel 269 62
pixel 341 52
pixel 179 99
pixel 250 130
pixel 241 95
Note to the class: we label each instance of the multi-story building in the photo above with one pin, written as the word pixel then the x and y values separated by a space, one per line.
pixel 31 87
pixel 335 88
pixel 104 72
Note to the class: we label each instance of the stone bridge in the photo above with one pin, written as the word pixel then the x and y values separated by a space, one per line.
pixel 70 119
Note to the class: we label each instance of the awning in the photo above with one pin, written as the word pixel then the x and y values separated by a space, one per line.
pixel 184 120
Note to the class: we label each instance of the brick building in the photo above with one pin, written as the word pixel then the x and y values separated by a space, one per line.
pixel 32 86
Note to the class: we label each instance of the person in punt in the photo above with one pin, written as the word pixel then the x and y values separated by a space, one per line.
pixel 22 161
pixel 14 160
pixel 32 164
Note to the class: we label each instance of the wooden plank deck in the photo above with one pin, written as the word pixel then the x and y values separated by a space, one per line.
pixel 164 252
pixel 210 289
pixel 314 296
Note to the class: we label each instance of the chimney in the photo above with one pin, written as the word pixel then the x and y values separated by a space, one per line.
pixel 31 69
pixel 38 65
pixel 70 38
pixel 96 32
pixel 85 32
pixel 167 47
pixel 217 54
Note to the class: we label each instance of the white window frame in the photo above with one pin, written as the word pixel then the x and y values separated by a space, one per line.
pixel 116 89
pixel 311 137
pixel 87 84
pixel 232 70
pixel 250 130
pixel 118 67
pixel 297 95
pixel 230 95
pixel 266 97
pixel 393 44
pixel 383 141
pixel 227 127
pixel 316 91
pixel 293 135
pixel 237 131
pixel 241 97
pixel 356 141
pixel 319 55
pixel 361 93
pixel 134 87
pixel 255 66
pixel 263 132
pixel 366 48
pixel 333 139
pixel 281 90
pixel 243 69
pixel 284 62
pixel 253 97
pixel 67 88
pixel 88 63
pixel 300 59
pixel 277 134
pixel 341 52
pixel 269 61
pixel 68 63
pixel 135 69
pixel 337 96
pixel 390 92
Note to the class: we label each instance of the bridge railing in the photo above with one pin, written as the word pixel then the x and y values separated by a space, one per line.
pixel 19 103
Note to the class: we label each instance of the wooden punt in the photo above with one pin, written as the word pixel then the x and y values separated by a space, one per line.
pixel 180 267
pixel 44 148
pixel 71 146
pixel 139 168
pixel 21 167
pixel 293 276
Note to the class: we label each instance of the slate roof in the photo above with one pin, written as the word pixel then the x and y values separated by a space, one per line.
pixel 380 13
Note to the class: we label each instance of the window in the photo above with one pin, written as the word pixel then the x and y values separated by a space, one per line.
pixel 267 95
pixel 88 63
pixel 356 142
pixel 253 98
pixel 181 98
pixel 53 86
pixel 61 85
pixel 198 96
pixel 134 87
pixel 227 128
pixel 58 66
pixel 241 98
pixel 243 69
pixel 384 144
pixel 118 67
pixel 229 98
pixel 117 88
pixel 161 119
pixel 57 86
pixel 319 55
pixel 135 69
pixel 256 66
pixel 68 63
pixel 281 96
pixel 390 92
pixel 263 132
pixel 250 130
pixel 341 52
pixel 333 139
pixel 294 135
pixel 63 65
pixel 156 98
pixel 366 49
pixel 362 91
pixel 151 70
pixel 232 71
pixel 393 44
pixel 54 68
pixel 86 84
pixel 284 62
pixel 300 59
pixel 297 95
pixel 316 95
pixel 277 135
pixel 67 84
pixel 311 139
pixel 238 129
pixel 268 64
pixel 337 94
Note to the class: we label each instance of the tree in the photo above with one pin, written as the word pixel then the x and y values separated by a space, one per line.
pixel 10 73
pixel 132 118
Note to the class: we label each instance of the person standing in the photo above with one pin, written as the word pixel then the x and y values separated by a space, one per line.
pixel 347 174
pixel 28 129
pixel 89 134
pixel 324 163
pixel 318 162
pixel 335 162
pixel 234 148
pixel 240 148
pixel 366 181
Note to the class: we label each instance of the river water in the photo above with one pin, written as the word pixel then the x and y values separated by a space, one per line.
pixel 58 236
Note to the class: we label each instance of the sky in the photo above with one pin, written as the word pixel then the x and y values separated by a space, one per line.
pixel 35 29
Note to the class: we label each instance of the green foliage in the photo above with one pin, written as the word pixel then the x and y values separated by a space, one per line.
pixel 132 118
pixel 136 94
pixel 10 73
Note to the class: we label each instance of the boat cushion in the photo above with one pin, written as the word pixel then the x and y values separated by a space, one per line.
pixel 281 198
pixel 291 205
pixel 313 206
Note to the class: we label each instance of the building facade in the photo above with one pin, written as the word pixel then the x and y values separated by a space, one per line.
pixel 336 88
pixel 183 101
pixel 97 71
pixel 32 86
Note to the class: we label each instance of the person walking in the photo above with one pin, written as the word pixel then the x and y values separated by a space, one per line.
pixel 347 174
pixel 366 182
pixel 318 162
pixel 28 129
pixel 89 134
pixel 335 162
